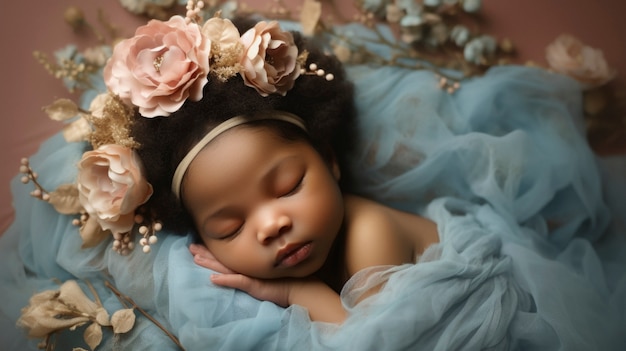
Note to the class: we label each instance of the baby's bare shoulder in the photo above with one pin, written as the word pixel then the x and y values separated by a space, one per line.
pixel 373 236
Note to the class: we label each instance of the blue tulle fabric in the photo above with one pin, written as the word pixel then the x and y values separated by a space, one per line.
pixel 531 226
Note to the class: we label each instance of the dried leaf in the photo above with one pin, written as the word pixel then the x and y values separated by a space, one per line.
pixel 78 349
pixel 123 320
pixel 92 233
pixel 61 110
pixel 93 335
pixel 65 199
pixel 102 317
pixel 310 16
pixel 78 130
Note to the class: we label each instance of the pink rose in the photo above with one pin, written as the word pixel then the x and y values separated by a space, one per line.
pixel 111 186
pixel 270 61
pixel 568 55
pixel 163 65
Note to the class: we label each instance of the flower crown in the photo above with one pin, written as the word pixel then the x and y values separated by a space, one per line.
pixel 153 74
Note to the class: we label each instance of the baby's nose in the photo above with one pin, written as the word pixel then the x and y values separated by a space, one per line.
pixel 273 227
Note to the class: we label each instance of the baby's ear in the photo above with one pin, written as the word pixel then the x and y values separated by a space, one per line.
pixel 335 169
pixel 333 165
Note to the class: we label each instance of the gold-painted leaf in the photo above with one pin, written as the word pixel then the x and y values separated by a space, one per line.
pixel 310 16
pixel 76 131
pixel 61 110
pixel 65 199
pixel 93 335
pixel 123 320
pixel 92 233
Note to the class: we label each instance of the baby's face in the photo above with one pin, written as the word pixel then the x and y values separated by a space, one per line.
pixel 265 207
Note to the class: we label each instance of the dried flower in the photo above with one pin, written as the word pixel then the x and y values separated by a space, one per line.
pixel 568 55
pixel 111 186
pixel 97 55
pixel 162 66
pixel 69 307
pixel 46 314
pixel 51 311
pixel 270 61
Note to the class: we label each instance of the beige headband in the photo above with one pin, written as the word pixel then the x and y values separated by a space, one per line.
pixel 221 128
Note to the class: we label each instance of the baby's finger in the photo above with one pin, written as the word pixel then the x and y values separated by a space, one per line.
pixel 235 281
pixel 211 263
pixel 196 249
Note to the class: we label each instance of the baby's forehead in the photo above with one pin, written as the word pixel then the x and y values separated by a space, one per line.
pixel 246 135
pixel 239 164
pixel 245 151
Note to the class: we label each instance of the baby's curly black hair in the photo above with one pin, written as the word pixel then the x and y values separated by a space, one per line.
pixel 327 108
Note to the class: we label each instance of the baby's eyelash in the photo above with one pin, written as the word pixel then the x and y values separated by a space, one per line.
pixel 232 234
pixel 296 188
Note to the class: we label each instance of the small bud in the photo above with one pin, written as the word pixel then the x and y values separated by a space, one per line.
pixel 74 17
pixel 506 45
pixel 138 218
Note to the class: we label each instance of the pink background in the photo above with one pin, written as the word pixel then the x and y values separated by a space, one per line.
pixel 27 26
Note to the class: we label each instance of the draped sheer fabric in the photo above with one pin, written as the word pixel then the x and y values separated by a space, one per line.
pixel 530 224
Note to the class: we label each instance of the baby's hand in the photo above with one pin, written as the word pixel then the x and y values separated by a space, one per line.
pixel 203 257
pixel 275 290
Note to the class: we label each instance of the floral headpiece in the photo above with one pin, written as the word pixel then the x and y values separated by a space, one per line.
pixel 153 74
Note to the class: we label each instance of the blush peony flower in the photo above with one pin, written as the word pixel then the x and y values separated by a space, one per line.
pixel 163 65
pixel 111 186
pixel 568 55
pixel 270 61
